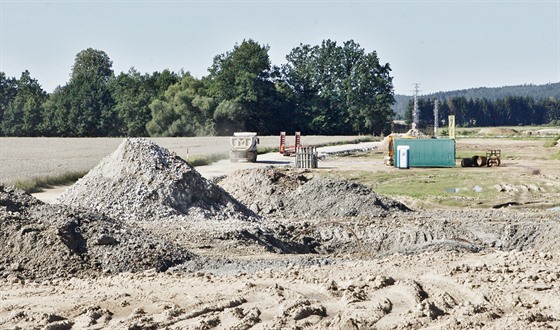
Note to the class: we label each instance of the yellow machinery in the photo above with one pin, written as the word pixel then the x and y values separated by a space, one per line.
pixel 389 160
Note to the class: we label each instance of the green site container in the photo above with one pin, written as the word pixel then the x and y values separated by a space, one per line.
pixel 428 152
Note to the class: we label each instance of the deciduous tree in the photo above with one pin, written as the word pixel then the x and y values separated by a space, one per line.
pixel 24 113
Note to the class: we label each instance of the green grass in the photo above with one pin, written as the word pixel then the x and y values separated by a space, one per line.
pixel 206 160
pixel 552 142
pixel 266 150
pixel 436 187
pixel 38 184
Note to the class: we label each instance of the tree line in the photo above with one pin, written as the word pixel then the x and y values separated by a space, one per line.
pixel 537 92
pixel 482 112
pixel 323 89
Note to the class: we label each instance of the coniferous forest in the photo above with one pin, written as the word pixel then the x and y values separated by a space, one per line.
pixel 326 89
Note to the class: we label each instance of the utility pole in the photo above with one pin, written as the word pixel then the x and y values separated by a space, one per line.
pixel 435 117
pixel 415 112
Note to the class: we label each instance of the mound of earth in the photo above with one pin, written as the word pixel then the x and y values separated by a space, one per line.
pixel 143 181
pixel 145 184
pixel 286 194
pixel 497 131
pixel 42 241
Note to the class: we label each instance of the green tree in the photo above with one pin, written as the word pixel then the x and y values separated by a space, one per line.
pixel 551 106
pixel 8 91
pixel 85 106
pixel 242 83
pixel 184 110
pixel 94 63
pixel 133 94
pixel 24 113
pixel 340 89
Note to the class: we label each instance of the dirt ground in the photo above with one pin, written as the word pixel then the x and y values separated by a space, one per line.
pixel 354 265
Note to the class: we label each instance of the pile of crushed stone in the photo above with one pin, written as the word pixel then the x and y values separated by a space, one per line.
pixel 146 185
pixel 281 193
pixel 40 240
pixel 143 181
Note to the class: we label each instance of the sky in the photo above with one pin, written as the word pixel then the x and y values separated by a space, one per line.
pixel 440 45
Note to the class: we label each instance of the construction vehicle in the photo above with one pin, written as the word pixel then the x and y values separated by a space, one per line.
pixel 243 147
pixel 390 159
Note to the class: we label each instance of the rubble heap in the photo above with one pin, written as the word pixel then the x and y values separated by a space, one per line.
pixel 287 194
pixel 143 181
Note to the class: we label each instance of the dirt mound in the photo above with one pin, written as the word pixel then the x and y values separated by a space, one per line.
pixel 289 194
pixel 41 240
pixel 145 184
pixel 143 181
pixel 497 131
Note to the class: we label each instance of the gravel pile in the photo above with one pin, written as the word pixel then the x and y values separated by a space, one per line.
pixel 144 184
pixel 45 241
pixel 281 193
pixel 143 181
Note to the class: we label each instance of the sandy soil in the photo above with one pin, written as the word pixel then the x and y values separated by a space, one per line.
pixel 440 282
pixel 499 290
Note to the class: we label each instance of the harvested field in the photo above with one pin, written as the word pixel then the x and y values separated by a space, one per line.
pixel 145 241
pixel 24 158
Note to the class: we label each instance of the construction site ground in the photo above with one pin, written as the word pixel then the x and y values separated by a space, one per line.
pixel 272 247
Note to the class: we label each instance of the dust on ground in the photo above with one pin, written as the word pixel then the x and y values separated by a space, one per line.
pixel 144 241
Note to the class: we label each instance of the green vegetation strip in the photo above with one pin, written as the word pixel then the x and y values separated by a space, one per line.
pixel 552 143
pixel 206 160
pixel 451 187
pixel 38 184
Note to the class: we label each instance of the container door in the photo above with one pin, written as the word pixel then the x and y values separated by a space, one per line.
pixel 403 156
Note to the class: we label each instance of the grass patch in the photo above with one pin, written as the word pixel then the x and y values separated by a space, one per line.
pixel 206 160
pixel 266 150
pixel 435 187
pixel 552 142
pixel 38 184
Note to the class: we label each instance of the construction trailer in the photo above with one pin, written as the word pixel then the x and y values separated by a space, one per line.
pixel 289 150
pixel 423 152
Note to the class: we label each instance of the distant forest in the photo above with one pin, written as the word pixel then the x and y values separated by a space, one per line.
pixel 501 106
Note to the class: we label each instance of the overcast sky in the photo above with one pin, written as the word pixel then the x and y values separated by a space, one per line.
pixel 442 45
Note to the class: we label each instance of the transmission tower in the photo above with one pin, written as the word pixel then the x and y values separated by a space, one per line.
pixel 415 112
pixel 436 115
